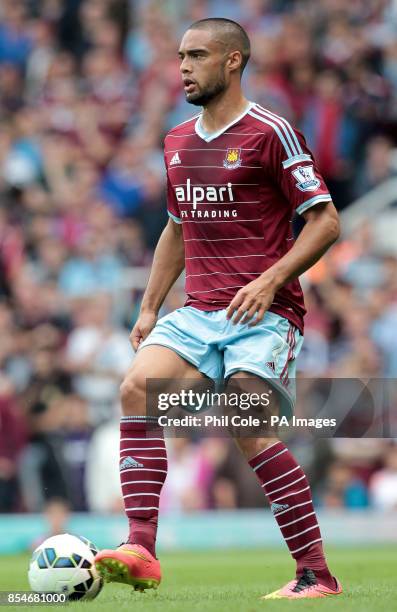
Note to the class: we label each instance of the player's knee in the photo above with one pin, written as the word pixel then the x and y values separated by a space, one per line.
pixel 132 394
pixel 253 446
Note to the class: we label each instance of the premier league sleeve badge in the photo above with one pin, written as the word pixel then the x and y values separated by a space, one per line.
pixel 306 178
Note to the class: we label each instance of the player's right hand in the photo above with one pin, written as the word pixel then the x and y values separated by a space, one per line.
pixel 142 328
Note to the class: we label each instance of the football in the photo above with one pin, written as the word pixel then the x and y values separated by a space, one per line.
pixel 64 564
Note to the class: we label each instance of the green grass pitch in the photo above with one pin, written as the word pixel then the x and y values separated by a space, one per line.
pixel 233 581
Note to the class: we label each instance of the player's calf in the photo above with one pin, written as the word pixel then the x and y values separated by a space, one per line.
pixel 143 460
pixel 143 454
pixel 288 491
pixel 285 484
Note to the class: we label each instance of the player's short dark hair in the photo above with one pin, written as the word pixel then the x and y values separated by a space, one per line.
pixel 230 33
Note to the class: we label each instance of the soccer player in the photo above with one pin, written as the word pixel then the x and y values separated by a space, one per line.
pixel 236 174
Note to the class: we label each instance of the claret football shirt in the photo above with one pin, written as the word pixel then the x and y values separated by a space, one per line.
pixel 235 192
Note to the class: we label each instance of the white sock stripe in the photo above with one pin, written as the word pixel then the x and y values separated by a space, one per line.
pixel 285 486
pixel 282 476
pixel 160 458
pixel 140 494
pixel 293 507
pixel 296 520
pixel 302 532
pixel 283 127
pixel 288 127
pixel 270 458
pixel 306 545
pixel 153 424
pixel 144 448
pixel 265 449
pixel 139 418
pixel 158 482
pixel 289 494
pixel 141 439
pixel 143 508
pixel 143 470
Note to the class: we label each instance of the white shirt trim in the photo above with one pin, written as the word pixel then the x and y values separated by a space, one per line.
pixel 209 137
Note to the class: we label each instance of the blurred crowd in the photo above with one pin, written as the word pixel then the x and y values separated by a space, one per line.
pixel 88 88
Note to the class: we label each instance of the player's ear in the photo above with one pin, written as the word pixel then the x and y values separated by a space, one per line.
pixel 234 61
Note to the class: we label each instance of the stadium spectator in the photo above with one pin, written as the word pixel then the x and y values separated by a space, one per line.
pixel 377 166
pixel 15 40
pixel 97 354
pixel 77 436
pixel 42 469
pixel 191 472
pixel 343 489
pixel 383 484
pixel 102 481
pixel 56 515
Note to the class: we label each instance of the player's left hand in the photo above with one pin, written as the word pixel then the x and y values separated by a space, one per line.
pixel 254 298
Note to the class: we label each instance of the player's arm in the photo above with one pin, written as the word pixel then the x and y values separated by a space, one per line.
pixel 168 263
pixel 305 192
pixel 320 231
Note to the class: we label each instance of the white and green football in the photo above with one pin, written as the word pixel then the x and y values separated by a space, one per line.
pixel 64 564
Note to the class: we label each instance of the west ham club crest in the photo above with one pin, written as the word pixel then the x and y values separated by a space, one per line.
pixel 232 159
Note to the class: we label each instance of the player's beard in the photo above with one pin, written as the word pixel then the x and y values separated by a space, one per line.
pixel 204 97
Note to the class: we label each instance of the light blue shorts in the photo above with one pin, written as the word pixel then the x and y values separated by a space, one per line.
pixel 218 348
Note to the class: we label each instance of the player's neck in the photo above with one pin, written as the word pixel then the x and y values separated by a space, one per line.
pixel 222 111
